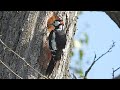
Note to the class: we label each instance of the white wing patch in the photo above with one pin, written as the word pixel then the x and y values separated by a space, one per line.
pixel 61 27
pixel 53 42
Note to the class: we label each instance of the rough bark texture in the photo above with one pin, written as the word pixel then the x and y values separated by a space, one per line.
pixel 25 32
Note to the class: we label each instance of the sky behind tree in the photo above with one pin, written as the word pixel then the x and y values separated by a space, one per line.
pixel 101 31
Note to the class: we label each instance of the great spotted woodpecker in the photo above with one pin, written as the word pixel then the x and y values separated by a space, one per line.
pixel 57 41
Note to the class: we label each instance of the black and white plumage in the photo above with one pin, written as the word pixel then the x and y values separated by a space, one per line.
pixel 57 42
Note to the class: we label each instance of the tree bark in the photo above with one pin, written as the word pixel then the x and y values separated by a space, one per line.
pixel 115 16
pixel 117 77
pixel 25 33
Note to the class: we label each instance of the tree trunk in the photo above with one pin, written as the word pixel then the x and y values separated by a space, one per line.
pixel 115 16
pixel 25 33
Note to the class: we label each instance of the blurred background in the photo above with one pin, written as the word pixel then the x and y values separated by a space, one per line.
pixel 95 35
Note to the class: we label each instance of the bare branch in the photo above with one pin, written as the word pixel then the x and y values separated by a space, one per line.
pixel 95 60
pixel 115 71
pixel 86 73
pixel 109 50
pixel 10 70
pixel 22 59
pixel 74 77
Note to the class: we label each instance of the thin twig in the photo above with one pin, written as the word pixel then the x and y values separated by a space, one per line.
pixel 10 69
pixel 86 73
pixel 109 50
pixel 74 77
pixel 115 71
pixel 22 59
pixel 95 60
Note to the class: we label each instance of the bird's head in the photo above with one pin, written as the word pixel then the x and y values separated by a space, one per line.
pixel 57 23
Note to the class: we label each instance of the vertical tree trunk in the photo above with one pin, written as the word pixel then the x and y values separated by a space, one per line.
pixel 25 32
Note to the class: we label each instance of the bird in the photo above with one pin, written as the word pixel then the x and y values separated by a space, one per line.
pixel 57 41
